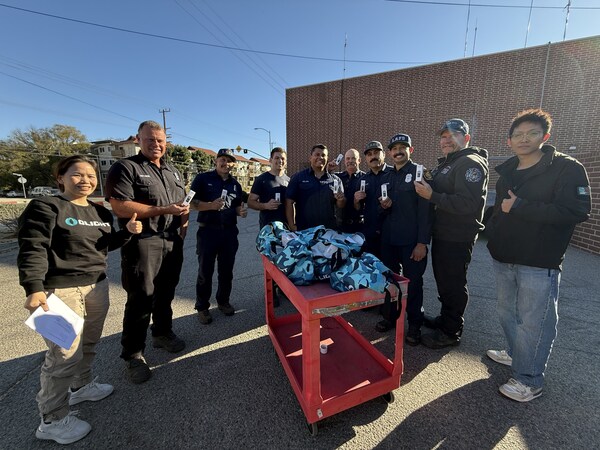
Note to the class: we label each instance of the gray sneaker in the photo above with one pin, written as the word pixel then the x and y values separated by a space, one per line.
pixel 204 317
pixel 91 392
pixel 500 356
pixel 138 370
pixel 65 431
pixel 519 392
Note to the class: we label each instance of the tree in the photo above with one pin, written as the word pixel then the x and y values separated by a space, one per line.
pixel 203 161
pixel 34 151
pixel 181 158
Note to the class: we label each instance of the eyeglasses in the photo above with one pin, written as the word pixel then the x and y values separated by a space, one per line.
pixel 531 135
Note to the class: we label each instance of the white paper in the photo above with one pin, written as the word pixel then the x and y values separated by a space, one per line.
pixel 60 324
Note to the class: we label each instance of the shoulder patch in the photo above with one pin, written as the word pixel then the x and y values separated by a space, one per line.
pixel 583 191
pixel 473 175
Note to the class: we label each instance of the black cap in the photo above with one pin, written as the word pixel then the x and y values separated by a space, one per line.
pixel 228 152
pixel 399 138
pixel 455 125
pixel 373 144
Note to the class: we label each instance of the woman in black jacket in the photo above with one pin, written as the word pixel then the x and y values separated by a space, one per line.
pixel 63 245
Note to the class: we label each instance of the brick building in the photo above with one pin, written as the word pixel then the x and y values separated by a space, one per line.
pixel 486 91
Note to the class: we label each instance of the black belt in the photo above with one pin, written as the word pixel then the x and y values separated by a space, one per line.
pixel 161 234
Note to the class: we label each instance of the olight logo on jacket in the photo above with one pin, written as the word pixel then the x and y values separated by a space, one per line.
pixel 71 221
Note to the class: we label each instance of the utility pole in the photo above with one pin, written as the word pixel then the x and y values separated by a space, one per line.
pixel 164 111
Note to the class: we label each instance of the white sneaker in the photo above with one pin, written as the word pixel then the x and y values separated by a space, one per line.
pixel 90 392
pixel 519 392
pixel 500 356
pixel 65 431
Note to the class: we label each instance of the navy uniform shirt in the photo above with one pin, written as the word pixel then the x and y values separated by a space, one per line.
pixel 139 180
pixel 350 215
pixel 266 186
pixel 208 187
pixel 315 201
pixel 370 207
pixel 408 220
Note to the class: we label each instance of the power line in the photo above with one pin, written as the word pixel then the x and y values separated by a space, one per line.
pixel 234 53
pixel 68 96
pixel 189 41
pixel 242 39
pixel 483 5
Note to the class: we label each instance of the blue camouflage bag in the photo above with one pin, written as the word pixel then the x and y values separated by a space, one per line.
pixel 268 241
pixel 365 271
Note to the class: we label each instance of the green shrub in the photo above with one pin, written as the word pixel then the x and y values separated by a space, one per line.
pixel 9 216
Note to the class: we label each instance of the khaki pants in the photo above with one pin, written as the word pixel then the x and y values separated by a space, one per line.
pixel 73 367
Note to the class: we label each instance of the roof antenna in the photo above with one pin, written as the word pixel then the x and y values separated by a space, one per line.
pixel 467 30
pixel 567 19
pixel 528 23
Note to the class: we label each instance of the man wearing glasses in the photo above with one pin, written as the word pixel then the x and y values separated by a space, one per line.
pixel 458 192
pixel 542 194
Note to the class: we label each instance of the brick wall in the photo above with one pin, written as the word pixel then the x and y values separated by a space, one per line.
pixel 486 91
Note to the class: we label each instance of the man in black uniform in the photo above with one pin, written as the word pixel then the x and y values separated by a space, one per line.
pixel 219 201
pixel 268 190
pixel 367 197
pixel 350 218
pixel 406 232
pixel 151 262
pixel 458 192
pixel 311 195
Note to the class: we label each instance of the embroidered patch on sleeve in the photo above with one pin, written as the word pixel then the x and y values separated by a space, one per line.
pixel 583 191
pixel 473 175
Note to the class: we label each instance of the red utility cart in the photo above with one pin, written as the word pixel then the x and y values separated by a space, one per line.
pixel 352 371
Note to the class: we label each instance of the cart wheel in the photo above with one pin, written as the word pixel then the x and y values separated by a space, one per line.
pixel 313 428
pixel 389 397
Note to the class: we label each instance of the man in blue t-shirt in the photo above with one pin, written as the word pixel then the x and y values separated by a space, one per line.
pixel 268 190
pixel 313 194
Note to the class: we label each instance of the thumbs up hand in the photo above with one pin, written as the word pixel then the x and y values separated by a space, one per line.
pixel 134 226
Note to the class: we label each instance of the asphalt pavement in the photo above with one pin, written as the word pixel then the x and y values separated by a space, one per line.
pixel 227 389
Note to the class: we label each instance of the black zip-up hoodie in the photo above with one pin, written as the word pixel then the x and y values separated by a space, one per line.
pixel 459 190
pixel 64 245
pixel 552 197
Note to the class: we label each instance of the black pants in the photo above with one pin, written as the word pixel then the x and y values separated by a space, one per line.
pixel 372 244
pixel 215 244
pixel 397 258
pixel 450 263
pixel 150 273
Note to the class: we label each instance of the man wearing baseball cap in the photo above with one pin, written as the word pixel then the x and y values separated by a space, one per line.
pixel 367 199
pixel 458 192
pixel 406 232
pixel 218 201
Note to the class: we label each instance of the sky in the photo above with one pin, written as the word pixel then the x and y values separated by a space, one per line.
pixel 222 66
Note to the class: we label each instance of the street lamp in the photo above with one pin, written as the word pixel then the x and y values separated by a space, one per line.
pixel 270 146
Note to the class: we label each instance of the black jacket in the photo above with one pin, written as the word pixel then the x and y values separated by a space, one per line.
pixel 64 245
pixel 459 190
pixel 552 197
